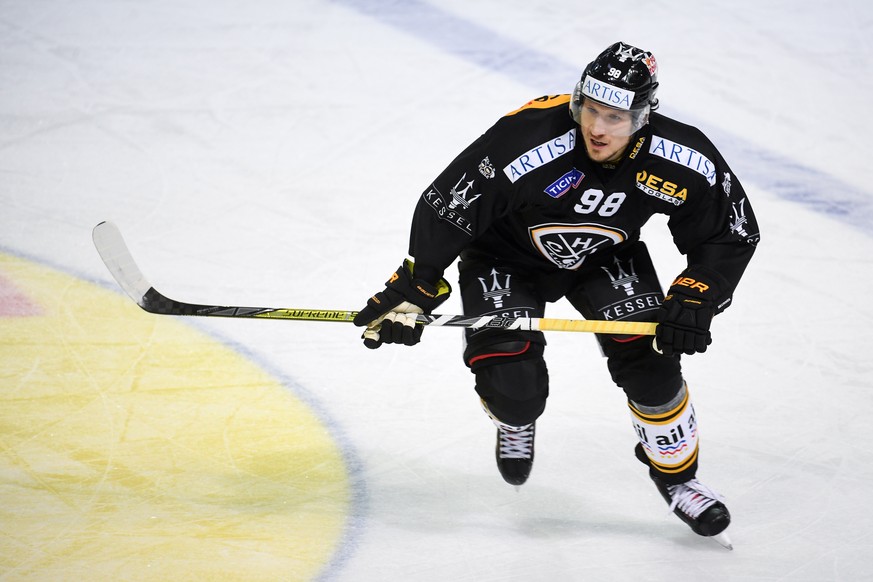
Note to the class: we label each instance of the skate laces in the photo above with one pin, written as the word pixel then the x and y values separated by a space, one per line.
pixel 516 443
pixel 692 497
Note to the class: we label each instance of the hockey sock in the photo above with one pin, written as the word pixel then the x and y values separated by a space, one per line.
pixel 668 436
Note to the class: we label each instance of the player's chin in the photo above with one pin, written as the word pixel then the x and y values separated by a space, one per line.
pixel 597 150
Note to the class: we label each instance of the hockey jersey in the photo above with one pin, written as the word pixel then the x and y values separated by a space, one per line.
pixel 526 192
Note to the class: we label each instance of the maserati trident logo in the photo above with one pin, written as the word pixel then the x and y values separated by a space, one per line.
pixel 739 220
pixel 499 288
pixel 623 278
pixel 462 197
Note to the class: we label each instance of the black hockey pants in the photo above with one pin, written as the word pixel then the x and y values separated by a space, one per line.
pixel 511 374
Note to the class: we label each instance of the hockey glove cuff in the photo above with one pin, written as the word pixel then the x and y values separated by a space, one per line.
pixel 686 314
pixel 390 315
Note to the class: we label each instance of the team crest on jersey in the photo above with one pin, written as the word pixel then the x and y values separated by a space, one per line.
pixel 562 185
pixel 568 245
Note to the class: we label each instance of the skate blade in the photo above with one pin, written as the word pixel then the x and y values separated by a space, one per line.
pixel 723 540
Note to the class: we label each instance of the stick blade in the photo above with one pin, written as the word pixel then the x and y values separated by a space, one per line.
pixel 117 258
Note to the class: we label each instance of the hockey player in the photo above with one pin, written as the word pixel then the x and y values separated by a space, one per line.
pixel 548 203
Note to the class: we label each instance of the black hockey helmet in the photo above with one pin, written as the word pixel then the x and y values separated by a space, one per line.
pixel 623 77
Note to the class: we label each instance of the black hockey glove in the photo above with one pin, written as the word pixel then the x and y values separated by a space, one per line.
pixel 686 314
pixel 390 315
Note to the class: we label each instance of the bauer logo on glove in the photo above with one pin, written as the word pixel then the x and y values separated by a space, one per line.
pixel 391 315
pixel 686 314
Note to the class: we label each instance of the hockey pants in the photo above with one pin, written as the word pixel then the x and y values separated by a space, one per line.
pixel 509 366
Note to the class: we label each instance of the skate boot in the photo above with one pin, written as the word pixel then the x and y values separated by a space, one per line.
pixel 515 452
pixel 697 505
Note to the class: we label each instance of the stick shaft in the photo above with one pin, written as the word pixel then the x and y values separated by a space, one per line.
pixel 119 261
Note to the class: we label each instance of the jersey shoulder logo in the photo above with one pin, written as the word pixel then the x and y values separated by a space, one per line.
pixel 684 156
pixel 451 208
pixel 540 155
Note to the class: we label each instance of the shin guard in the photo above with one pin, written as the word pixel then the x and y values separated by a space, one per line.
pixel 668 437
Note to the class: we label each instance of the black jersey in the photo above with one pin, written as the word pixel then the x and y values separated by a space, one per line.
pixel 527 192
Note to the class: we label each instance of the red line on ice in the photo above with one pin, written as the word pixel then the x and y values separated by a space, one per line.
pixel 14 303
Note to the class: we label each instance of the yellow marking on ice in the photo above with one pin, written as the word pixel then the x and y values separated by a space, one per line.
pixel 135 447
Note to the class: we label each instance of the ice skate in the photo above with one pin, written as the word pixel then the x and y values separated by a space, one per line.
pixel 698 506
pixel 515 452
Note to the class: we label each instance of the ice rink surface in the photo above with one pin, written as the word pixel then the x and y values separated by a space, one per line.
pixel 271 153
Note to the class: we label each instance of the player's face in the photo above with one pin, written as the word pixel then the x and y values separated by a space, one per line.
pixel 605 131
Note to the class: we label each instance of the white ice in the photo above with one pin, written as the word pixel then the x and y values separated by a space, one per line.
pixel 271 153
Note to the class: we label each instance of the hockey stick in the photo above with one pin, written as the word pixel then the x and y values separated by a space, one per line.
pixel 119 261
